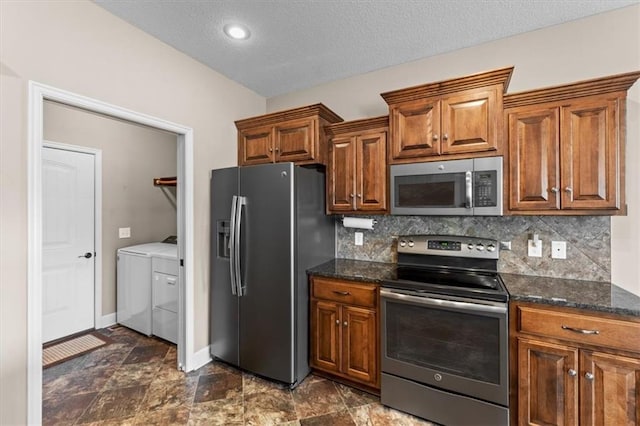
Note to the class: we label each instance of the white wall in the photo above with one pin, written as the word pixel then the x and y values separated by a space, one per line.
pixel 593 47
pixel 80 47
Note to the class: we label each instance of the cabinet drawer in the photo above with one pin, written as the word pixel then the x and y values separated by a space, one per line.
pixel 344 292
pixel 613 333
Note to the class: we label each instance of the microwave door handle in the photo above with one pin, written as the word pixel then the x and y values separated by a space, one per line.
pixel 468 194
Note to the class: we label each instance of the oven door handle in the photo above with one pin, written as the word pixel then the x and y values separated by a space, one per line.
pixel 430 301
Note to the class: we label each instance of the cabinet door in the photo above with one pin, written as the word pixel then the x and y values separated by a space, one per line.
pixel 547 383
pixel 341 172
pixel 371 168
pixel 610 389
pixel 256 146
pixel 359 344
pixel 294 140
pixel 590 154
pixel 415 129
pixel 325 335
pixel 533 159
pixel 470 122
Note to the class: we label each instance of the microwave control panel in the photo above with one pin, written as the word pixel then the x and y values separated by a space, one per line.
pixel 484 188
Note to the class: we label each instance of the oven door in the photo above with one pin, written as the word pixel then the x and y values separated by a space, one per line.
pixel 455 345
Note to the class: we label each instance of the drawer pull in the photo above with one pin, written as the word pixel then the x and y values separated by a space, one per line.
pixel 572 372
pixel 342 293
pixel 588 376
pixel 580 330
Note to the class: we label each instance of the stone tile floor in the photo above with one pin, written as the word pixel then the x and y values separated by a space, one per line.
pixel 134 381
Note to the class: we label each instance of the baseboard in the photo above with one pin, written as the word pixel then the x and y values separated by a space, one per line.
pixel 202 357
pixel 107 320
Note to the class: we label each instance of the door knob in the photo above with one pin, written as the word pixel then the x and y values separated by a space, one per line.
pixel 87 255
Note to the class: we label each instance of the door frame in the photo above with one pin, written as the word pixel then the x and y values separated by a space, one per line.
pixel 98 321
pixel 37 94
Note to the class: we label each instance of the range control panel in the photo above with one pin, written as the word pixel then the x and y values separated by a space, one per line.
pixel 448 245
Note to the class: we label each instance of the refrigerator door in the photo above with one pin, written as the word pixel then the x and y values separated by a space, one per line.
pixel 224 304
pixel 267 267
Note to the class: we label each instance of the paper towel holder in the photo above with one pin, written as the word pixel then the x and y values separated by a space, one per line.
pixel 373 222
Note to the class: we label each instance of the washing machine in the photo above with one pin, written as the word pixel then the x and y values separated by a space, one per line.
pixel 147 289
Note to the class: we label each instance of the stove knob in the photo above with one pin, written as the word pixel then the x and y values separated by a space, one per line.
pixel 470 246
pixel 403 243
pixel 491 247
pixel 410 243
pixel 480 246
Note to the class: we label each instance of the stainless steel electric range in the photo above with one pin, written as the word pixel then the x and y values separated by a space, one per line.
pixel 445 332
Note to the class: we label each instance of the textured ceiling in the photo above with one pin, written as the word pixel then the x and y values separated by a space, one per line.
pixel 296 44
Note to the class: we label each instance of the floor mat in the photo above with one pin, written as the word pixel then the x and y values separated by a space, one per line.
pixel 63 351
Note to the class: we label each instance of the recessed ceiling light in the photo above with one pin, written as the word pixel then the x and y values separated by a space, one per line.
pixel 236 31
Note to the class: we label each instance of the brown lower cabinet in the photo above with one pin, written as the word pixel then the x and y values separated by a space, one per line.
pixel 344 331
pixel 574 368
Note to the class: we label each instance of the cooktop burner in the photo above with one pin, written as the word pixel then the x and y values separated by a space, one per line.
pixel 477 285
pixel 449 265
pixel 466 279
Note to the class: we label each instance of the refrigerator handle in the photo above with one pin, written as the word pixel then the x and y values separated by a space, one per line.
pixel 232 244
pixel 242 201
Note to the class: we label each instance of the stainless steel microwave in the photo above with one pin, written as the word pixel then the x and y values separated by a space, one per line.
pixel 470 187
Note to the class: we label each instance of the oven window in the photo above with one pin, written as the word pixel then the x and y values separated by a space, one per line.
pixel 463 344
pixel 438 190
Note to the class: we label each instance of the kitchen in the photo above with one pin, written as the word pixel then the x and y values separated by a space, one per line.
pixel 520 51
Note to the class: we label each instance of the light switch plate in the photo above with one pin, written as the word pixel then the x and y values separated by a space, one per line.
pixel 534 250
pixel 558 249
pixel 124 232
pixel 359 238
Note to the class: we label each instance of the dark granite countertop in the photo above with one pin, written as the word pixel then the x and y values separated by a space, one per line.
pixel 588 295
pixel 358 270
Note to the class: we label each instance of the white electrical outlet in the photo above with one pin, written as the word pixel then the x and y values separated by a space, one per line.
pixel 359 238
pixel 124 232
pixel 534 248
pixel 558 249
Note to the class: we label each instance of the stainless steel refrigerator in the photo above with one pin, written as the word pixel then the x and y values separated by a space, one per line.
pixel 269 226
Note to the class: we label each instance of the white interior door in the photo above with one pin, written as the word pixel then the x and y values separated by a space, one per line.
pixel 68 246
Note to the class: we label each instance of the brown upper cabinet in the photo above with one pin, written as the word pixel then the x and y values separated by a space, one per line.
pixel 293 135
pixel 454 117
pixel 357 166
pixel 566 147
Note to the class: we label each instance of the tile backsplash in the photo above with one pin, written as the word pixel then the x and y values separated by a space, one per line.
pixel 588 241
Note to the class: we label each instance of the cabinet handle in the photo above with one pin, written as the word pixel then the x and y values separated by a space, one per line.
pixel 270 149
pixel 359 195
pixel 350 195
pixel 572 372
pixel 445 137
pixel 277 149
pixel 435 137
pixel 337 322
pixel 342 293
pixel 588 376
pixel 568 189
pixel 554 190
pixel 580 330
pixel 345 324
